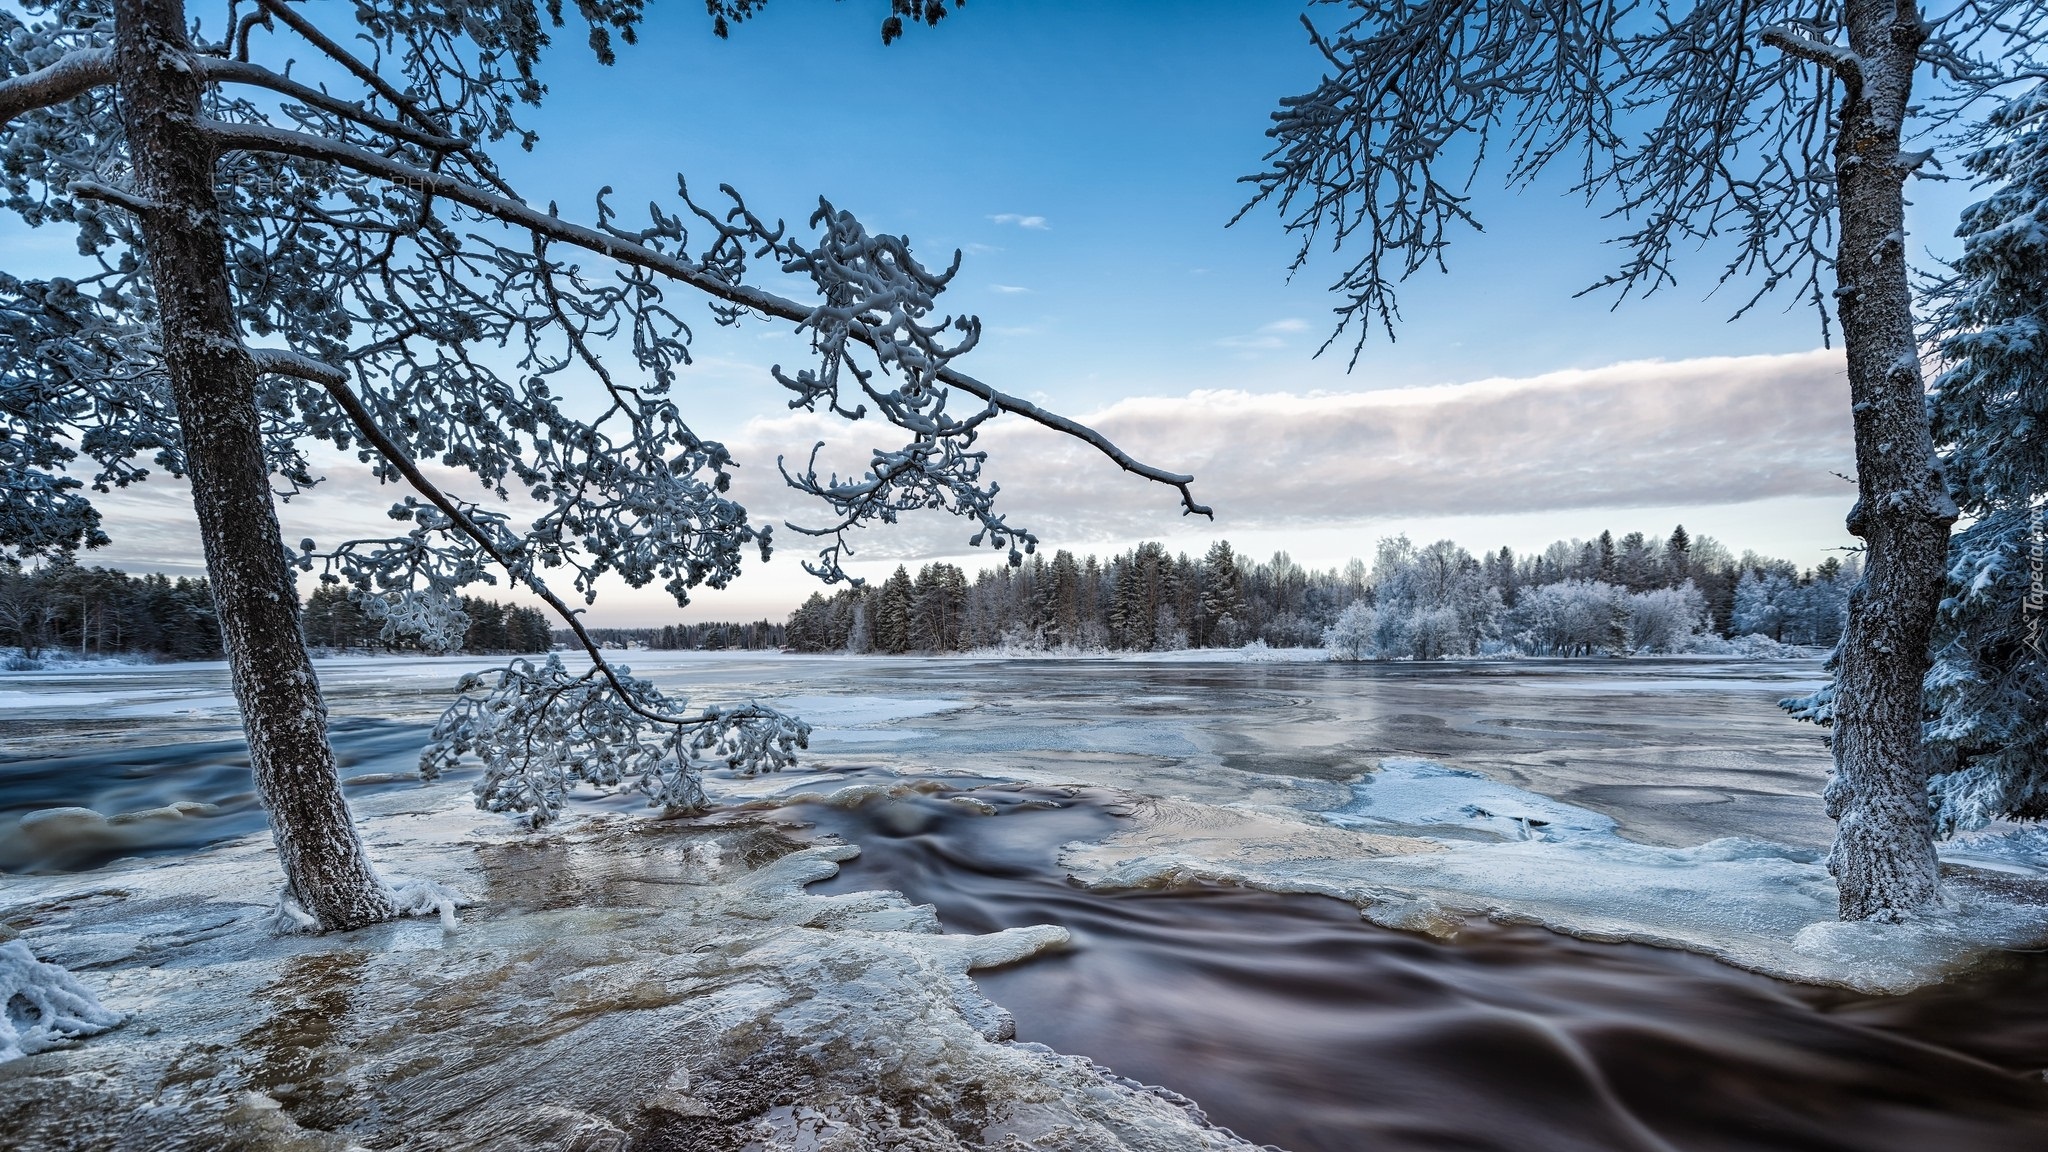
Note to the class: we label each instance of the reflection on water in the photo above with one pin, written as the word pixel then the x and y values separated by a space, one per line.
pixel 1293 1022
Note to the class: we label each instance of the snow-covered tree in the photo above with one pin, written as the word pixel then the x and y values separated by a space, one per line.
pixel 1430 602
pixel 1777 127
pixel 1667 619
pixel 268 264
pixel 1351 637
pixel 1572 618
pixel 1762 603
pixel 1988 689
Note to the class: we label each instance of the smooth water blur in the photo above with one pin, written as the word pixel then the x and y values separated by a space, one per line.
pixel 77 812
pixel 1294 1023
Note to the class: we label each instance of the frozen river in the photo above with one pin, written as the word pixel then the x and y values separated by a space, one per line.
pixel 1188 824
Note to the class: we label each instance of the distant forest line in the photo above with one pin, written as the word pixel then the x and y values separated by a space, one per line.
pixel 1578 597
pixel 65 608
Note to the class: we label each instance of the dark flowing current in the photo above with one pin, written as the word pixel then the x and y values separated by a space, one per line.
pixel 1294 1023
pixel 1287 1018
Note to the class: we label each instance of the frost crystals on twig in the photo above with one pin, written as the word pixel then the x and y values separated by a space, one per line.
pixel 540 731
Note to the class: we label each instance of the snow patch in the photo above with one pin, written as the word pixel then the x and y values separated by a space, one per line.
pixel 412 895
pixel 42 1005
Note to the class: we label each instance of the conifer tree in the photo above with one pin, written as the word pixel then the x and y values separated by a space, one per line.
pixel 1988 688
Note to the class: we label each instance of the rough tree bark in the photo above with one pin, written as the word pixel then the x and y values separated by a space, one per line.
pixel 213 383
pixel 1883 860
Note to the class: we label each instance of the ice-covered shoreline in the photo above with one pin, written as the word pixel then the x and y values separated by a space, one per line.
pixel 621 979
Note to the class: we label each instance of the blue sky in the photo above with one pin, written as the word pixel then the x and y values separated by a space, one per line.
pixel 1085 156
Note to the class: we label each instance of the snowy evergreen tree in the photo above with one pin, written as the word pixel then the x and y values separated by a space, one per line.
pixel 1678 554
pixel 365 233
pixel 1988 689
pixel 1221 595
pixel 895 604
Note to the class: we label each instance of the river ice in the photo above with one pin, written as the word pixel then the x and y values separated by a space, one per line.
pixel 630 977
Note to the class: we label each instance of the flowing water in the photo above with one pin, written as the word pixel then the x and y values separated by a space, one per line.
pixel 1292 1023
pixel 1285 1017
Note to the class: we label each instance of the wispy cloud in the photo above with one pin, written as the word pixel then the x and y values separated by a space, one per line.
pixel 1266 337
pixel 1008 289
pixel 1036 223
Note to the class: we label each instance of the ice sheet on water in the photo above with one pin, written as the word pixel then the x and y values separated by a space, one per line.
pixel 1408 795
pixel 850 710
pixel 42 1005
pixel 1447 843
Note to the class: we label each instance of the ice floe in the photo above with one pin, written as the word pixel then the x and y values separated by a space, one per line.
pixel 1422 845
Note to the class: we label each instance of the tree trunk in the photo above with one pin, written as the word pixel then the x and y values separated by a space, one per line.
pixel 213 383
pixel 1883 860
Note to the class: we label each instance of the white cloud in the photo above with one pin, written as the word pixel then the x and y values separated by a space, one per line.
pixel 1008 289
pixel 1291 324
pixel 1653 434
pixel 1036 223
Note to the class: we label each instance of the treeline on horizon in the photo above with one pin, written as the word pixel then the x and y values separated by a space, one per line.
pixel 64 607
pixel 710 636
pixel 1579 597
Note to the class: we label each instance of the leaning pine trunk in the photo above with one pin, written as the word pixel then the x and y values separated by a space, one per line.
pixel 1883 859
pixel 213 382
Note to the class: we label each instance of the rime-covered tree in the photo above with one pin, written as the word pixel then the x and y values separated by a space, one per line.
pixel 1222 597
pixel 268 262
pixel 1988 689
pixel 1782 129
pixel 1678 554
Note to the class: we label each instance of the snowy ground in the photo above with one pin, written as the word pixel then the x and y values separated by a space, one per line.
pixel 1658 801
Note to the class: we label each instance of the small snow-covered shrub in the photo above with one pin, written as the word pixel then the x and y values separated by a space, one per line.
pixel 42 1005
pixel 1258 652
pixel 540 731
pixel 16 662
pixel 1751 647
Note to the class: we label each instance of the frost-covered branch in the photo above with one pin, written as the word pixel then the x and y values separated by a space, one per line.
pixel 1796 41
pixel 859 327
pixel 71 76
pixel 540 731
pixel 243 72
